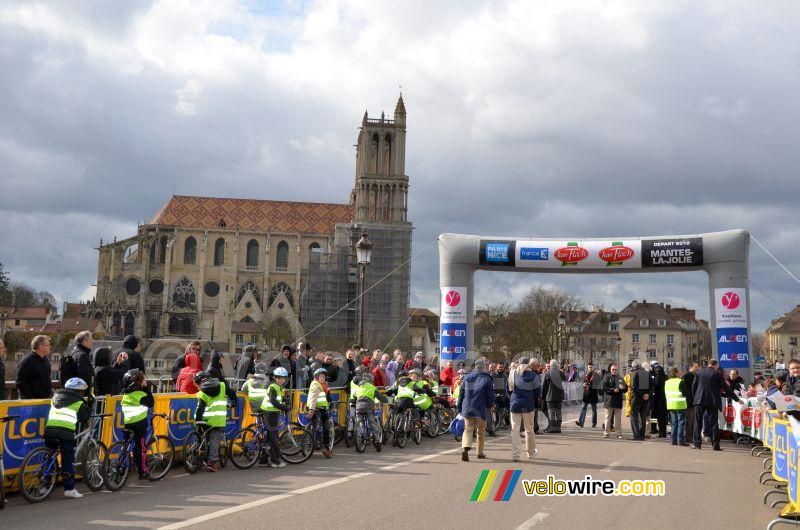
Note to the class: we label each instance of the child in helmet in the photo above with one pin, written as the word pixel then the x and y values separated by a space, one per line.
pixel 367 397
pixel 318 403
pixel 273 405
pixel 212 410
pixel 68 409
pixel 136 401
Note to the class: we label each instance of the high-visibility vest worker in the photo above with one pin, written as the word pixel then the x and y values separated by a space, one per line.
pixel 132 408
pixel 256 392
pixel 216 413
pixel 675 400
pixel 367 390
pixel 65 417
pixel 406 391
pixel 423 401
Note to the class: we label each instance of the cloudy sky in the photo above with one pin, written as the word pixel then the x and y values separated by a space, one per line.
pixel 528 118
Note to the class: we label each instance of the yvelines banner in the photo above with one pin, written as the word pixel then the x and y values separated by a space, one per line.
pixel 592 254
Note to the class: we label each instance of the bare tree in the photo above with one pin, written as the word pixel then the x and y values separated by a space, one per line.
pixel 492 329
pixel 534 324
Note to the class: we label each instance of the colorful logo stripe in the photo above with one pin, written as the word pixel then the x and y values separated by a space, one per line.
pixel 486 481
pixel 507 486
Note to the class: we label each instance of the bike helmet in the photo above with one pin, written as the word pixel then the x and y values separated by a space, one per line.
pixel 319 371
pixel 360 369
pixel 368 377
pixel 130 378
pixel 199 377
pixel 462 372
pixel 76 383
pixel 280 372
pixel 211 383
pixel 262 368
pixel 415 371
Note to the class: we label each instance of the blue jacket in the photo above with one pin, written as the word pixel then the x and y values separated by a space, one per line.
pixel 477 395
pixel 524 397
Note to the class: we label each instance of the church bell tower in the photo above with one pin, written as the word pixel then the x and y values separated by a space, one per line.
pixel 381 190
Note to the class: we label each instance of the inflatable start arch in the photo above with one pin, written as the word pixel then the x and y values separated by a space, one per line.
pixel 723 255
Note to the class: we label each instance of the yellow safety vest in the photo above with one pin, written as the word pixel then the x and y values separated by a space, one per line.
pixel 675 400
pixel 266 405
pixel 65 417
pixel 322 397
pixel 216 413
pixel 132 408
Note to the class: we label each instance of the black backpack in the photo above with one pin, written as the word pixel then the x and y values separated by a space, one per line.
pixel 67 368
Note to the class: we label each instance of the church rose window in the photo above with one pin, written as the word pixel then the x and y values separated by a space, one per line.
pixel 281 287
pixel 211 289
pixel 184 295
pixel 156 286
pixel 132 286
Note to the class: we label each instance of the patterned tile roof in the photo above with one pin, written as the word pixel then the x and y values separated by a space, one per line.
pixel 253 215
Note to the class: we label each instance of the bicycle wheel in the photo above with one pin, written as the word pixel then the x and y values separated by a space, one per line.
pixel 400 433
pixel 416 433
pixel 118 466
pixel 192 449
pixel 223 453
pixel 94 462
pixel 296 444
pixel 338 434
pixel 38 474
pixel 361 435
pixel 432 428
pixel 160 454
pixel 244 448
pixel 445 419
pixel 377 437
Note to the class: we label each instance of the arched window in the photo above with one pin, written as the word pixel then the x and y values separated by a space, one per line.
pixel 130 320
pixel 116 323
pixel 282 258
pixel 281 287
pixel 252 253
pixel 387 154
pixel 248 286
pixel 313 246
pixel 374 153
pixel 373 202
pixel 189 251
pixel 154 326
pixel 154 252
pixel 247 319
pixel 385 204
pixel 131 254
pixel 184 294
pixel 219 251
pixel 98 315
pixel 162 249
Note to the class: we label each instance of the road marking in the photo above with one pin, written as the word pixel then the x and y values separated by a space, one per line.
pixel 533 521
pixel 274 498
pixel 612 465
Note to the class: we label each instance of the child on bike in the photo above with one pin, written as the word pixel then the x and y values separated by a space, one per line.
pixel 212 409
pixel 256 388
pixel 318 403
pixel 273 406
pixel 404 391
pixel 432 380
pixel 367 394
pixel 354 384
pixel 136 403
pixel 68 409
pixel 424 395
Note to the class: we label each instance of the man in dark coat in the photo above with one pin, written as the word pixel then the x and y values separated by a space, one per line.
pixel 107 378
pixel 131 347
pixel 708 388
pixel 82 355
pixel 658 403
pixel 215 367
pixel 33 371
pixel 284 360
pixel 640 394
pixel 614 388
pixel 553 394
pixel 688 380
pixel 246 364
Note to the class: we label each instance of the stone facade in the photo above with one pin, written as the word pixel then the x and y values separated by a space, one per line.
pixel 782 337
pixel 227 270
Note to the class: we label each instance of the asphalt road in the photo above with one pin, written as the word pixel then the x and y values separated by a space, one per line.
pixel 429 485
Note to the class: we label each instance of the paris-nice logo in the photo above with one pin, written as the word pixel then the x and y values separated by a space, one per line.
pixel 452 298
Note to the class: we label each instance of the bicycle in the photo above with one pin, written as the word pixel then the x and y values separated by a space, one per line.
pixel 3 501
pixel 160 454
pixel 444 414
pixel 195 448
pixel 41 469
pixel 250 442
pixel 405 427
pixel 364 432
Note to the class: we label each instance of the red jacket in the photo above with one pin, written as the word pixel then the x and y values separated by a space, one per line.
pixel 409 364
pixel 447 376
pixel 380 378
pixel 185 382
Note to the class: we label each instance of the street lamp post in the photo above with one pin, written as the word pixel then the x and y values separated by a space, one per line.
pixel 363 255
pixel 562 320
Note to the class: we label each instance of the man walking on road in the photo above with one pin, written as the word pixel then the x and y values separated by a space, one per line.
pixel 474 400
pixel 525 386
pixel 553 393
pixel 675 391
pixel 688 380
pixel 615 388
pixel 708 388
